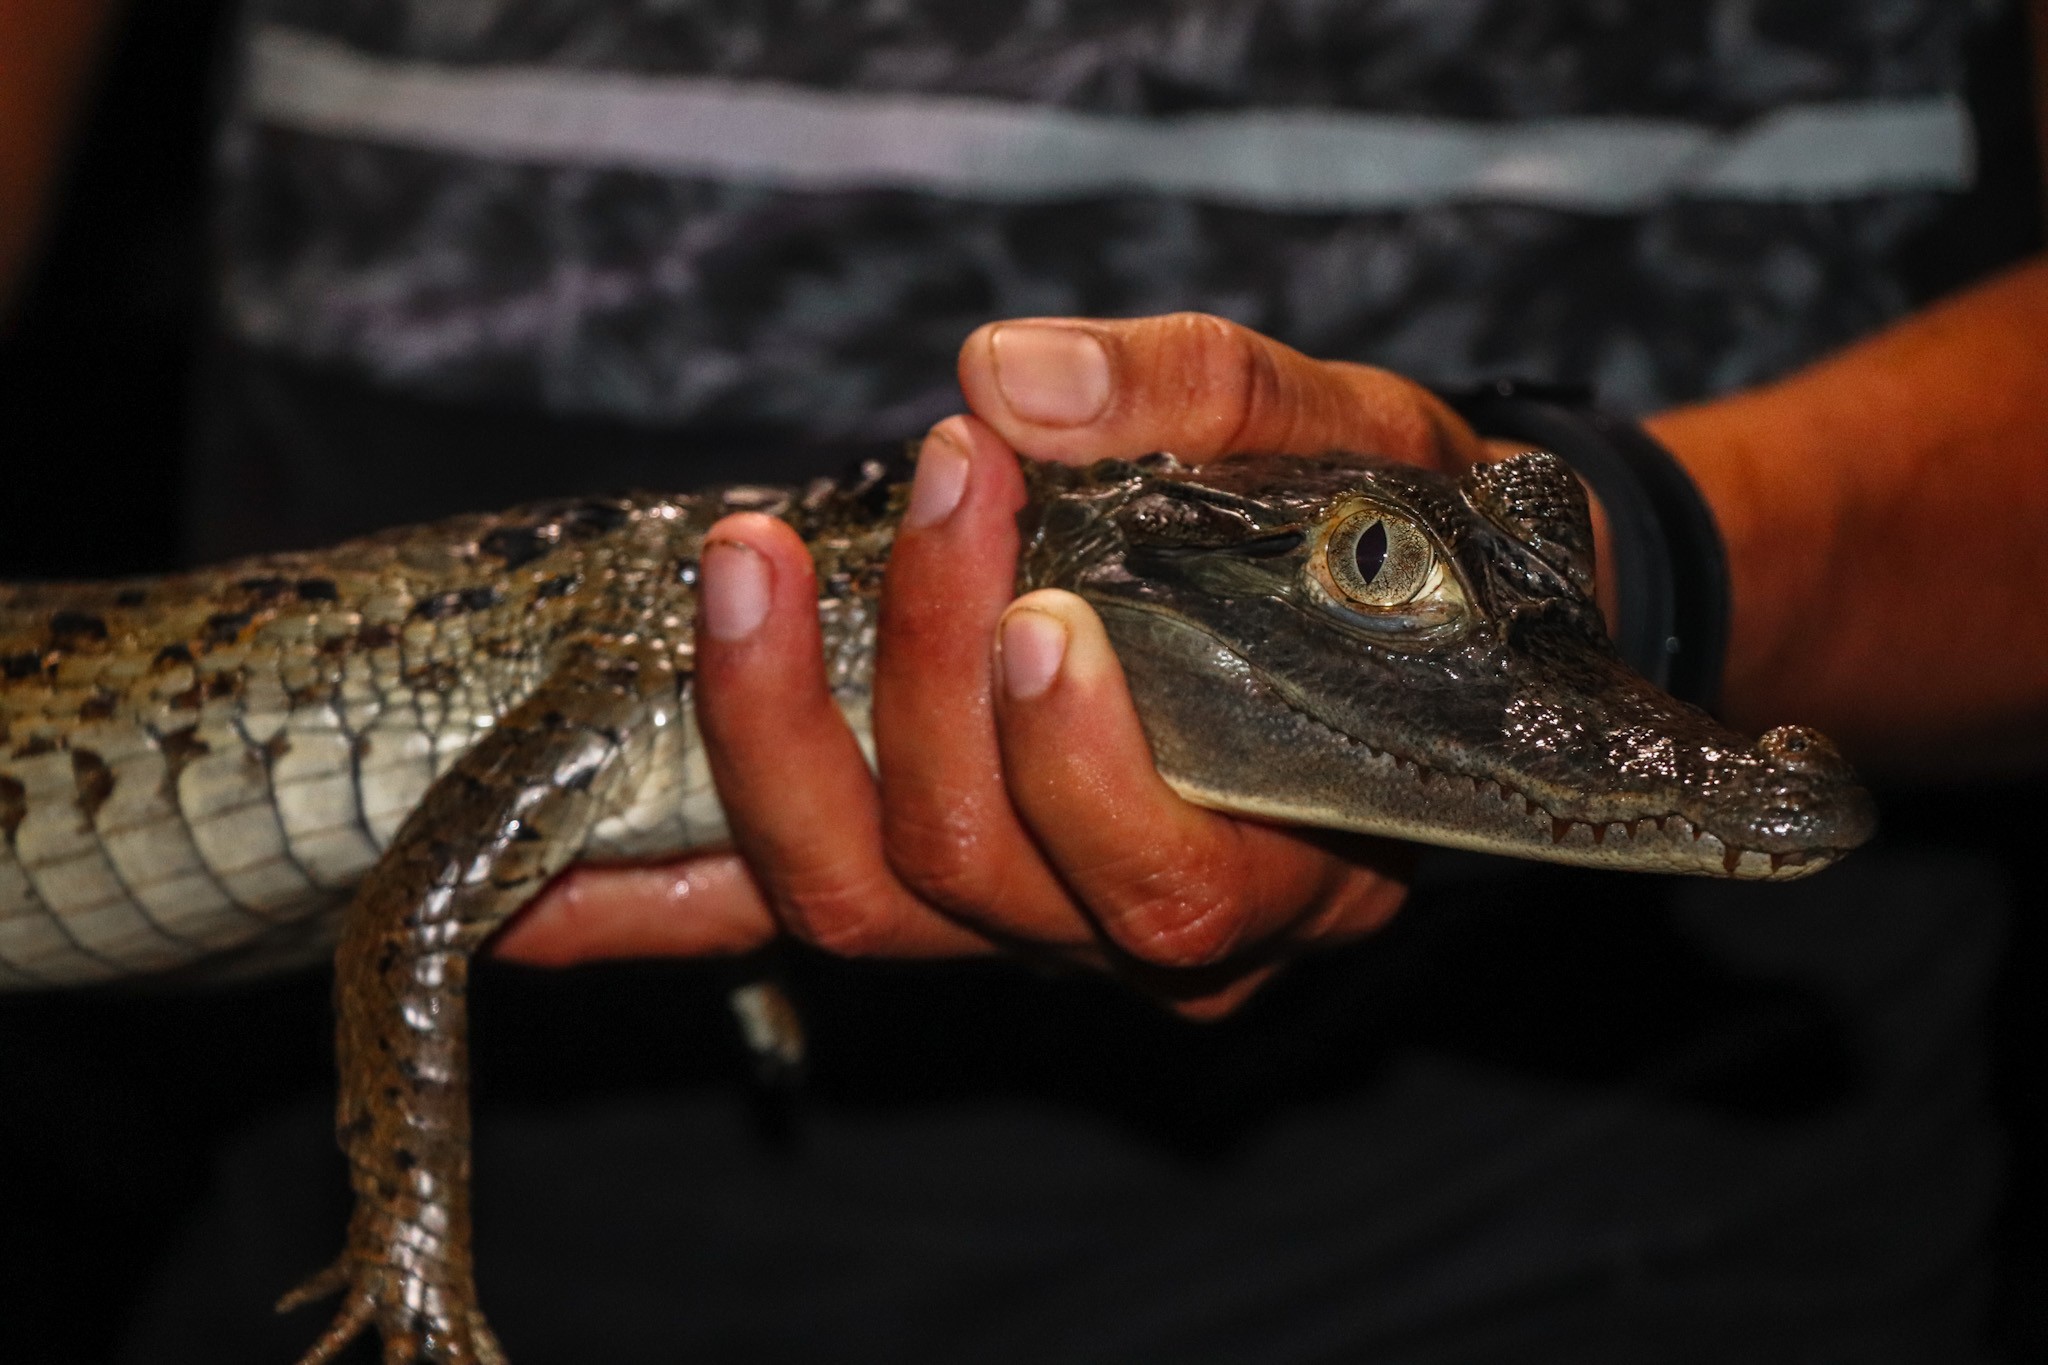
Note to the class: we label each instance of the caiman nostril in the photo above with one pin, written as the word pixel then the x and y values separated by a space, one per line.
pixel 1800 749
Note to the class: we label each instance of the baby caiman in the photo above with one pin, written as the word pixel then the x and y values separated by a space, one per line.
pixel 389 747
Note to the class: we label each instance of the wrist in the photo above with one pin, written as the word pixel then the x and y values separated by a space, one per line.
pixel 1740 454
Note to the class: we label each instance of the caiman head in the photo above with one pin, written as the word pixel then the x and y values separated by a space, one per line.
pixel 1355 644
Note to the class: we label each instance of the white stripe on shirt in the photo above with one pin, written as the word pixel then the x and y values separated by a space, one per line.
pixel 1305 160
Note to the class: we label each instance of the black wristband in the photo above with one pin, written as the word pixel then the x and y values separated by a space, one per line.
pixel 1670 570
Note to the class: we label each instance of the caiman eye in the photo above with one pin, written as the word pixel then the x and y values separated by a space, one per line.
pixel 1375 559
pixel 1377 570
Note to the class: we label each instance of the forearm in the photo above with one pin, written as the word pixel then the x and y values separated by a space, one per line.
pixel 46 49
pixel 1886 517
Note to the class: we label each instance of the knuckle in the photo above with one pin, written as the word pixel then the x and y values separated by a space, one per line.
pixel 1172 913
pixel 1396 416
pixel 845 914
pixel 1231 384
pixel 942 856
pixel 1410 424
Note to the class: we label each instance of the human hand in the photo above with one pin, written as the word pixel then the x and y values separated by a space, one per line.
pixel 1017 806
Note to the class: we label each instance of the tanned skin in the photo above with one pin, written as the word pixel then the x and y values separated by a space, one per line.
pixel 1886 515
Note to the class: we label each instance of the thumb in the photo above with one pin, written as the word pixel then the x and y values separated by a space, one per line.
pixel 1080 389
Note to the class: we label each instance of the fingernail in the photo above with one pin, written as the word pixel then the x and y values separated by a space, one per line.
pixel 735 590
pixel 1033 646
pixel 941 479
pixel 1054 376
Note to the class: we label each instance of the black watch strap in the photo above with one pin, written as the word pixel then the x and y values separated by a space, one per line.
pixel 1670 570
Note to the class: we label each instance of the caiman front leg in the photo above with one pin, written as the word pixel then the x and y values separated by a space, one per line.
pixel 513 811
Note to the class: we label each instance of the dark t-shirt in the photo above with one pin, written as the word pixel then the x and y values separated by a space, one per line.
pixel 1546 1115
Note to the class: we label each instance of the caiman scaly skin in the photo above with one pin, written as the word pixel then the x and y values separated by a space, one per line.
pixel 391 746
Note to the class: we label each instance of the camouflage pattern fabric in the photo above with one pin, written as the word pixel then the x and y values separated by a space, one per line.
pixel 835 316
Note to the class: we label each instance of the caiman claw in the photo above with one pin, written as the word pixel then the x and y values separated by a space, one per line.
pixel 421 1324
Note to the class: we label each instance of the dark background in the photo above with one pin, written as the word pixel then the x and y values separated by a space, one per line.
pixel 107 1129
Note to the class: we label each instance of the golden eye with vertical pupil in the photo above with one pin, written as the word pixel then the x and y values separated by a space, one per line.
pixel 1378 560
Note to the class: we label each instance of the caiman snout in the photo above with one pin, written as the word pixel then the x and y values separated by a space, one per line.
pixel 1808 796
pixel 1783 806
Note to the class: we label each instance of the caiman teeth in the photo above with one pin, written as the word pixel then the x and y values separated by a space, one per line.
pixel 1735 860
pixel 1674 827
